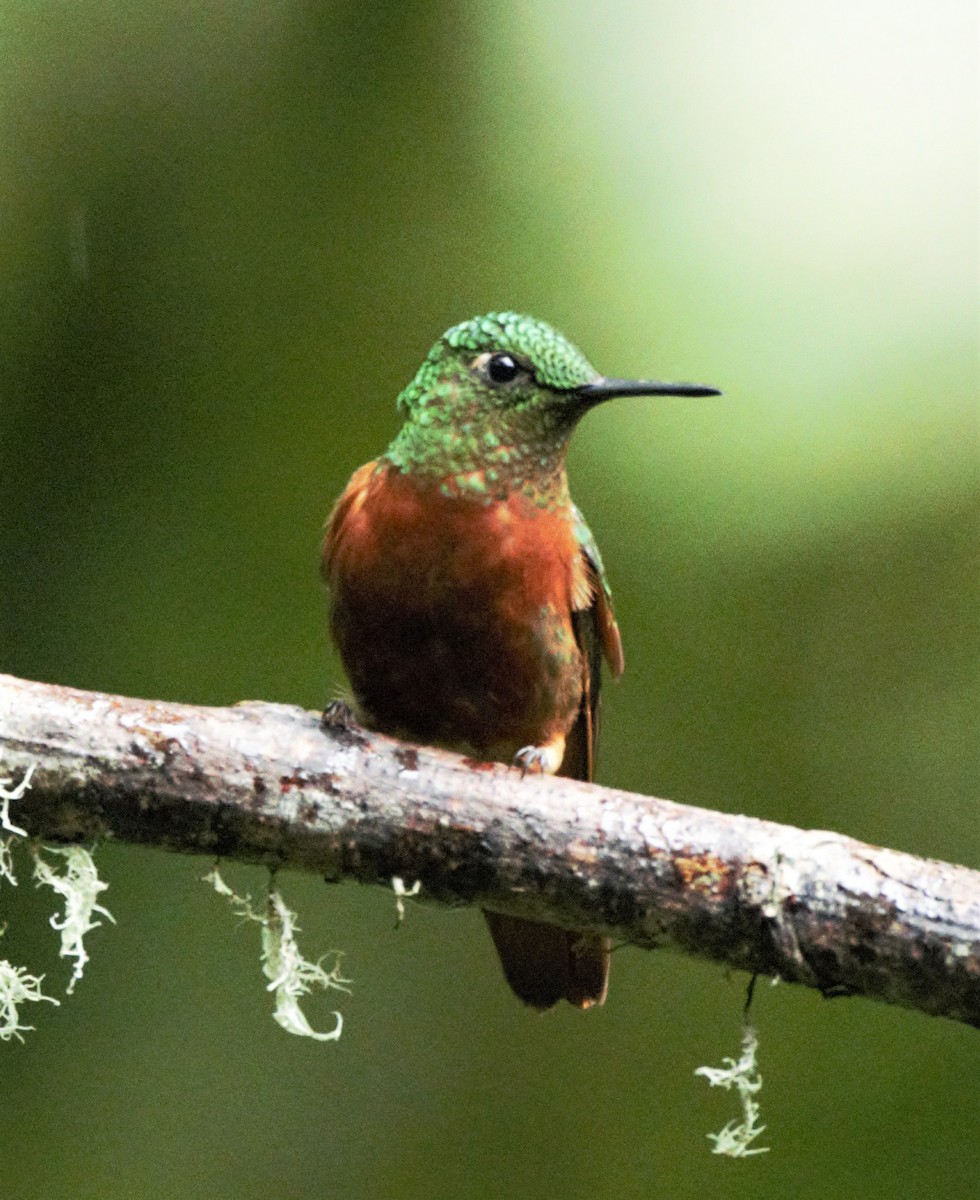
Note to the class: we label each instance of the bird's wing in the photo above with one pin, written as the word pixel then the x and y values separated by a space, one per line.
pixel 598 637
pixel 544 962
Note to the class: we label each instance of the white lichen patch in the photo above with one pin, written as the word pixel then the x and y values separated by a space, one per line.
pixel 79 886
pixel 17 987
pixel 401 894
pixel 7 862
pixel 735 1140
pixel 290 975
pixel 8 793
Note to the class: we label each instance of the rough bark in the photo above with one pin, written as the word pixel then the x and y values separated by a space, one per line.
pixel 265 783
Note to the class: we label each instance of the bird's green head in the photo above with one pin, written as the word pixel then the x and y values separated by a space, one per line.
pixel 494 403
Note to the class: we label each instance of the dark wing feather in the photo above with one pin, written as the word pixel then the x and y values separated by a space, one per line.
pixel 597 636
pixel 583 738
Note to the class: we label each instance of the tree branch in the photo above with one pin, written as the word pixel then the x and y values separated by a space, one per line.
pixel 264 783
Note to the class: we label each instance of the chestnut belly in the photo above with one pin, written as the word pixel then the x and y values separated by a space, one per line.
pixel 458 672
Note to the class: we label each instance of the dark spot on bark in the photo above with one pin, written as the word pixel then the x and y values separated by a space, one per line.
pixel 407 757
pixel 836 991
pixel 308 810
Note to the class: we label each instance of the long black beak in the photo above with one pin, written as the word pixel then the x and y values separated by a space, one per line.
pixel 606 389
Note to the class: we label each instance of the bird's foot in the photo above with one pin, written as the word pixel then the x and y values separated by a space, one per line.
pixel 541 760
pixel 338 720
pixel 338 717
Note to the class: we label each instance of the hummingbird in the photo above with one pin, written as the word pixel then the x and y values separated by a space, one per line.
pixel 470 605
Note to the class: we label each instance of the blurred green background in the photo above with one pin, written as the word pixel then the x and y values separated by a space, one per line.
pixel 230 231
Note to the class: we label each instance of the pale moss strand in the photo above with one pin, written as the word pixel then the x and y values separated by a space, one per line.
pixel 79 887
pixel 290 975
pixel 8 793
pixel 401 894
pixel 17 985
pixel 735 1140
pixel 7 861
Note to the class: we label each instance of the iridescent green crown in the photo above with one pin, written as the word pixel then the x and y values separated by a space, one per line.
pixel 555 361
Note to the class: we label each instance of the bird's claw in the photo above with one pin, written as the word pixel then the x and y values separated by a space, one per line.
pixel 540 760
pixel 530 759
pixel 338 717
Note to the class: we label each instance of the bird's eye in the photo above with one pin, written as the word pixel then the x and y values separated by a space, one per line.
pixel 501 368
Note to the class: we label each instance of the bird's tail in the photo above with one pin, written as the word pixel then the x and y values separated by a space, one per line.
pixel 545 963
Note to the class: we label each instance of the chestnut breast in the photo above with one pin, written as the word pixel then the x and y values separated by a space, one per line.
pixel 453 615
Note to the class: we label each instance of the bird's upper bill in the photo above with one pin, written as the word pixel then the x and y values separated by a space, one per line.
pixel 606 389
